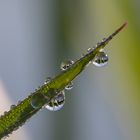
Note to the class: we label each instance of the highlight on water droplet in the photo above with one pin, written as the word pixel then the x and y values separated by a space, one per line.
pixel 65 65
pixel 57 102
pixel 69 86
pixel 101 59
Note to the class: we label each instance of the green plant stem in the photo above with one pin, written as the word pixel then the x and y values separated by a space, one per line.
pixel 18 115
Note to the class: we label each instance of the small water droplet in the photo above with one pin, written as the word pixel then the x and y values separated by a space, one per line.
pixel 65 65
pixel 101 59
pixel 89 49
pixel 36 89
pixel 57 102
pixel 5 112
pixel 5 137
pixel 48 79
pixel 15 128
pixel 19 102
pixel 98 44
pixel 12 106
pixel 82 55
pixel 69 86
pixel 104 39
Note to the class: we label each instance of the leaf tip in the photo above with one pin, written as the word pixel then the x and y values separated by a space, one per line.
pixel 125 24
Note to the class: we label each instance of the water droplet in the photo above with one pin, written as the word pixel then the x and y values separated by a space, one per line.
pixel 15 128
pixel 57 102
pixel 36 89
pixel 5 112
pixel 12 106
pixel 48 79
pixel 98 44
pixel 89 49
pixel 37 100
pixel 19 102
pixel 65 65
pixel 69 86
pixel 101 59
pixel 82 55
pixel 5 137
pixel 104 39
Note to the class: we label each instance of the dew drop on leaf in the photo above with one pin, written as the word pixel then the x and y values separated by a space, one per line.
pixel 101 59
pixel 82 55
pixel 19 102
pixel 5 112
pixel 104 39
pixel 12 106
pixel 69 86
pixel 90 50
pixel 15 128
pixel 5 137
pixel 57 102
pixel 65 65
pixel 47 80
pixel 37 100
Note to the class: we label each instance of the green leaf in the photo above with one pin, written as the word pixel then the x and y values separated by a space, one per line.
pixel 18 114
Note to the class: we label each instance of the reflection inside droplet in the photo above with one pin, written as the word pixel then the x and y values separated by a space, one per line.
pixel 101 59
pixel 37 100
pixel 57 102
pixel 65 65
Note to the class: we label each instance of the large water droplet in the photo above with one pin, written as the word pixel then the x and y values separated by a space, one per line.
pixel 101 59
pixel 37 100
pixel 57 102
pixel 69 86
pixel 65 65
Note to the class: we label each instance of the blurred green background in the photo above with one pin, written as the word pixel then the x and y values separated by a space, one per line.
pixel 36 36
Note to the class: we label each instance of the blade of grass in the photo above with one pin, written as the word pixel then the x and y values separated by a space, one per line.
pixel 18 115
